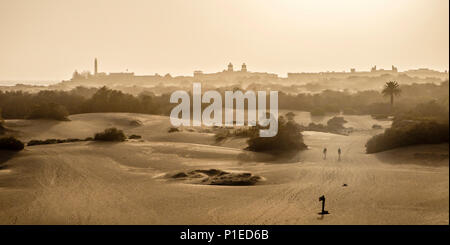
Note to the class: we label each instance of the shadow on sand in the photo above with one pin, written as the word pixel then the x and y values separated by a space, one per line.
pixel 271 157
pixel 5 156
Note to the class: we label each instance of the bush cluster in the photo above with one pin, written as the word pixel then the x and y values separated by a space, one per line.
pixel 427 123
pixel 409 133
pixel 110 134
pixel 54 141
pixel 288 138
pixel 49 111
pixel 11 144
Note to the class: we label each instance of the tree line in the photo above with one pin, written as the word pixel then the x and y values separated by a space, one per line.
pixel 56 104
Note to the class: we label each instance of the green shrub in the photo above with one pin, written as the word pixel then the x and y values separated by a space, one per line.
pixel 11 144
pixel 110 134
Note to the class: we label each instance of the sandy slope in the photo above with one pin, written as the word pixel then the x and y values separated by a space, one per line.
pixel 120 183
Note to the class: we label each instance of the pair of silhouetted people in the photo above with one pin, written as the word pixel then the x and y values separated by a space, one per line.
pixel 325 153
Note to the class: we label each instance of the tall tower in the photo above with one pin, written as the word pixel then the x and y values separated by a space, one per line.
pixel 244 67
pixel 95 67
pixel 230 67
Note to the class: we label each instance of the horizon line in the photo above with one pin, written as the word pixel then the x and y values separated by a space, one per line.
pixel 191 74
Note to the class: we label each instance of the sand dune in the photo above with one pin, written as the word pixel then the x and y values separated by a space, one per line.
pixel 120 183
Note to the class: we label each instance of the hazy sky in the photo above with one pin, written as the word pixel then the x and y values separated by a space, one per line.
pixel 49 39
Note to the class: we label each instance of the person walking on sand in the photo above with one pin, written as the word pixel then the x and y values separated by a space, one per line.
pixel 339 153
pixel 324 153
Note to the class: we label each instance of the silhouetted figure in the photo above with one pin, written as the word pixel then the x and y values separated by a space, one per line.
pixel 339 153
pixel 322 199
pixel 325 153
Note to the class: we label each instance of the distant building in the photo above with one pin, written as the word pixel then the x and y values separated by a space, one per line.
pixel 198 73
pixel 121 74
pixel 95 67
pixel 309 76
pixel 393 70
pixel 244 67
pixel 230 67
pixel 229 75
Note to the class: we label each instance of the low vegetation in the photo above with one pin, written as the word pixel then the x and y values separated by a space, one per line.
pixel 173 129
pixel 427 123
pixel 377 126
pixel 224 133
pixel 55 141
pixel 110 134
pixel 335 125
pixel 288 138
pixel 49 111
pixel 410 133
pixel 11 144
pixel 134 136
pixel 53 104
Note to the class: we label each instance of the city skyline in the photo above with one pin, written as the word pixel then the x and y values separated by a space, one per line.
pixel 96 70
pixel 47 40
pixel 230 67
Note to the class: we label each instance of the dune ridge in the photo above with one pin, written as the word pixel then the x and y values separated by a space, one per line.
pixel 120 183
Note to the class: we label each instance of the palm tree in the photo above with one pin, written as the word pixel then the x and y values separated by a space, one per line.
pixel 391 89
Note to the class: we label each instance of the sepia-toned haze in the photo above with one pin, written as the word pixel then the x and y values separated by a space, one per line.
pixel 49 39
